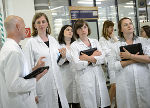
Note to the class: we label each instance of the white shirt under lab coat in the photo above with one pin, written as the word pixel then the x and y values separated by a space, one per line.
pixel 68 76
pixel 106 46
pixel 15 91
pixel 91 83
pixel 49 86
pixel 132 81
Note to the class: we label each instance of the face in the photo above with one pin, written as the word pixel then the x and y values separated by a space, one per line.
pixel 41 24
pixel 68 32
pixel 110 29
pixel 127 26
pixel 83 31
pixel 22 30
pixel 143 33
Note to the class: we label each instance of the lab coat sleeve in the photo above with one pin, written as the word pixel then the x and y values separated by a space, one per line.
pixel 107 51
pixel 62 60
pixel 147 52
pixel 28 51
pixel 114 60
pixel 13 70
pixel 30 57
pixel 58 46
pixel 99 59
pixel 78 64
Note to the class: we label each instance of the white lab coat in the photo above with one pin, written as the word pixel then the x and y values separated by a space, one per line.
pixel 49 86
pixel 147 49
pixel 16 92
pixel 132 81
pixel 68 76
pixel 106 47
pixel 91 83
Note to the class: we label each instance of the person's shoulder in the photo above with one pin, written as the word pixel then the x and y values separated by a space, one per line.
pixel 93 40
pixel 32 38
pixel 102 38
pixel 9 48
pixel 75 43
pixel 51 37
pixel 116 44
pixel 142 40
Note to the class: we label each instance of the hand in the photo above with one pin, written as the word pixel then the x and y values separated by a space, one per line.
pixel 41 74
pixel 112 35
pixel 40 63
pixel 114 38
pixel 83 57
pixel 63 52
pixel 96 53
pixel 36 99
pixel 126 54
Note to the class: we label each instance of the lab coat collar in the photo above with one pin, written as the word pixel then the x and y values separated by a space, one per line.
pixel 123 40
pixel 81 43
pixel 14 42
pixel 40 40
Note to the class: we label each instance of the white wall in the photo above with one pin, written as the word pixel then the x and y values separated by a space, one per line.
pixel 22 8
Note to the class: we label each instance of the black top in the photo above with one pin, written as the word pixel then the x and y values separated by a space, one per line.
pixel 47 43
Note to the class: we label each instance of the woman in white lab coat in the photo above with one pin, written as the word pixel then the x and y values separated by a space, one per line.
pixel 91 83
pixel 132 76
pixel 106 41
pixel 50 89
pixel 65 39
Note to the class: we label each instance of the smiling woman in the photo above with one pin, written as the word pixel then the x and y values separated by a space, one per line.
pixel 50 88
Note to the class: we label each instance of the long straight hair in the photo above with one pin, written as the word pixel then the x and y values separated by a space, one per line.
pixel 106 25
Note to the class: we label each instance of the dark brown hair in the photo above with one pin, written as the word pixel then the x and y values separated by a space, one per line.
pixel 34 30
pixel 106 25
pixel 120 33
pixel 61 35
pixel 146 28
pixel 78 24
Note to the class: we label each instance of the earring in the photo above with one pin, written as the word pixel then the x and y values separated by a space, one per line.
pixel 36 30
pixel 47 29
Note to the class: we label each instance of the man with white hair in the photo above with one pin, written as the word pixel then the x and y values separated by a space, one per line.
pixel 15 91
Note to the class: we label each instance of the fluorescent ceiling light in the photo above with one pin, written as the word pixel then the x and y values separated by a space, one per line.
pixel 87 2
pixel 142 9
pixel 57 8
pixel 128 6
pixel 131 13
pixel 130 3
pixel 41 4
pixel 112 6
pixel 54 13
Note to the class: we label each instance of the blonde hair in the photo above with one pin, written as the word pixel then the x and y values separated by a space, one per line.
pixel 106 25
